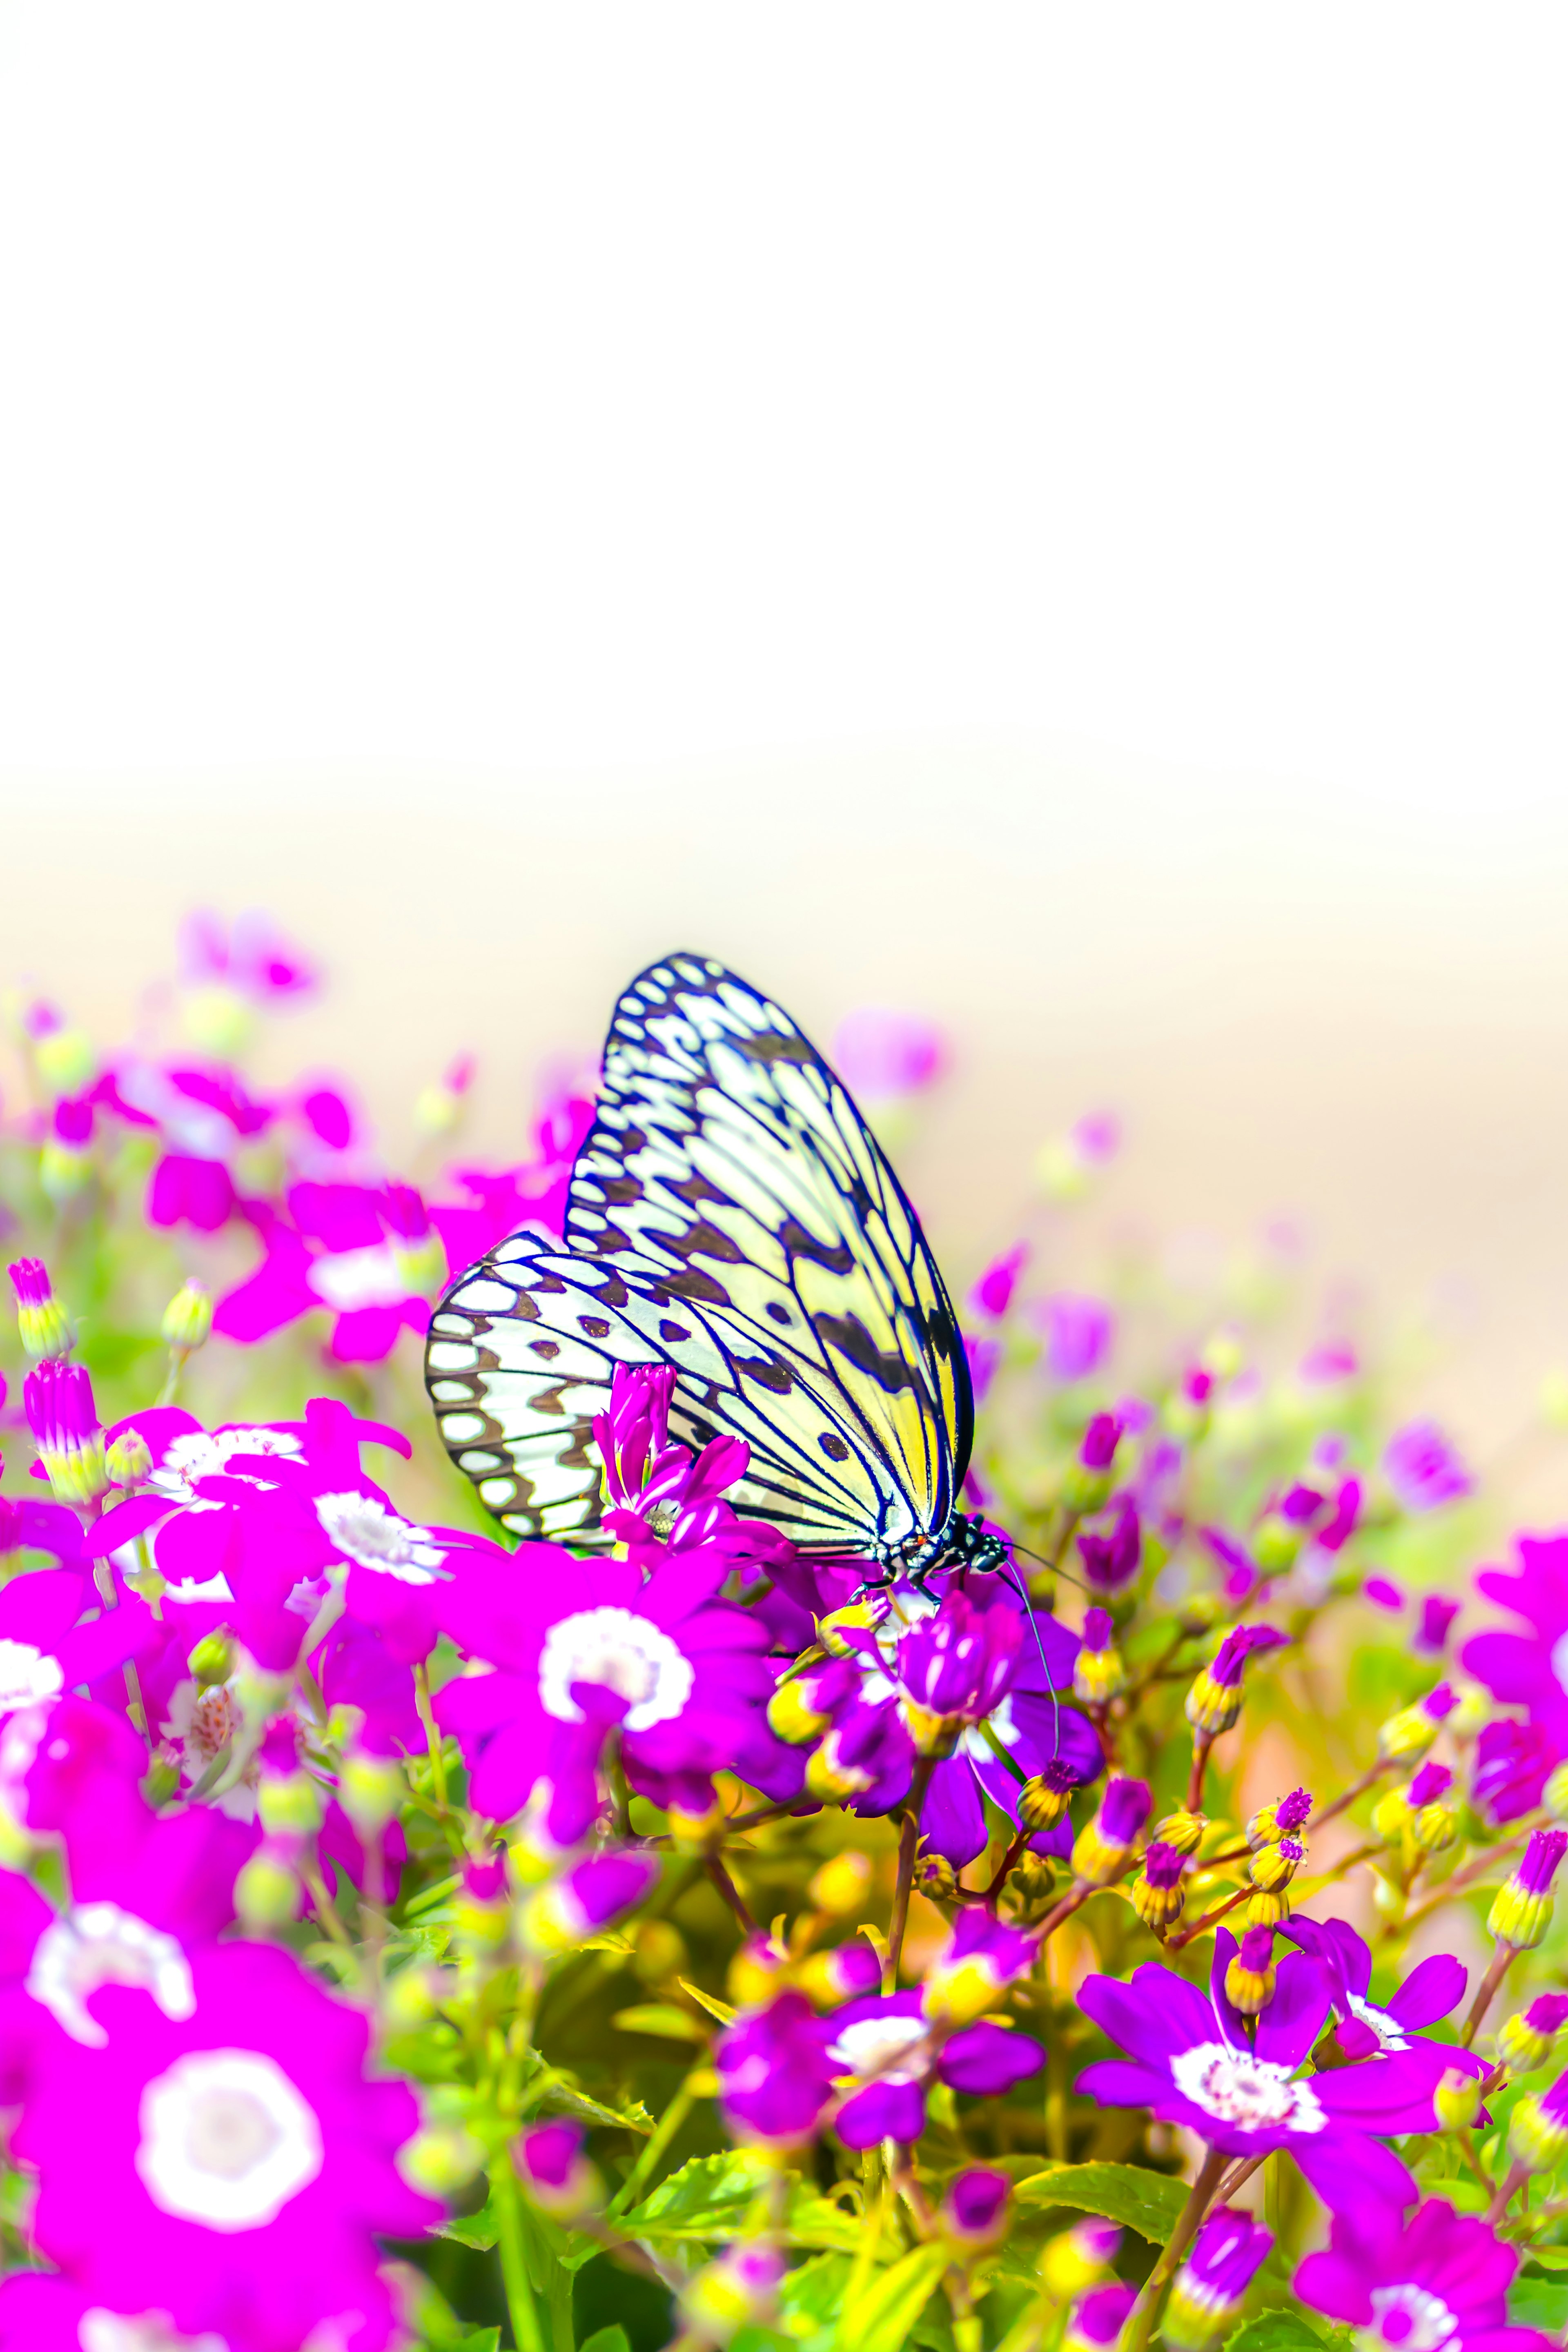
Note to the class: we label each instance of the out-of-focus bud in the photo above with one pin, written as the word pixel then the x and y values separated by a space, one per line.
pixel 1538 2132
pixel 58 1402
pixel 188 1318
pixel 217 1020
pixel 482 1915
pixel 831 1776
pixel 551 2167
pixel 1209 2291
pixel 129 1458
pixel 1087 1487
pixel 1522 1905
pixel 1105 1845
pixel 1158 1896
pixel 441 2160
pixel 1042 1800
pixel 793 1715
pixel 692 1831
pixel 1214 1703
pixel 1069 1164
pixel 1249 1979
pixel 161 1781
pixel 287 1802
pixel 212 1660
pixel 1554 1796
pixel 1457 2101
pixel 416 1250
pixel 1528 2038
pixel 660 1950
pixel 847 1973
pixel 1200 1611
pixel 588 1899
pixel 267 1893
pixel 973 1972
pixel 1407 1734
pixel 43 1325
pixel 439 1108
pixel 1099 1675
pixel 1183 1829
pixel 739 2290
pixel 757 1971
pixel 1078 2256
pixel 408 2001
pixel 65 1060
pixel 1098 2317
pixel 65 1163
pixel 370 1789
pixel 841 1885
pixel 857 1617
pixel 1285 1818
pixel 1272 1867
pixel 975 2210
pixel 1031 1882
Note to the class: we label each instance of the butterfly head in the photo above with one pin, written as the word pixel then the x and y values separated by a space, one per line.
pixel 970 1543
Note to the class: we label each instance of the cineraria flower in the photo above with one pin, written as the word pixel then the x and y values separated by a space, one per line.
pixel 891 2053
pixel 1431 1992
pixel 205 1121
pixel 1098 2318
pixel 663 1500
pixel 63 1417
pixel 575 1648
pixel 48 1645
pixel 1522 1906
pixel 1513 1763
pixel 1436 2282
pixel 1111 1560
pixel 533 1193
pixel 1214 1703
pixel 974 2209
pixel 37 1526
pixel 883 1054
pixel 1423 1469
pixel 584 1900
pixel 342 1247
pixel 1193 2063
pixel 1078 1335
pixel 230 2166
pixel 973 1971
pixel 954 1667
pixel 775 2077
pixel 992 1294
pixel 42 1324
pixel 251 957
pixel 1528 2039
pixel 1528 1670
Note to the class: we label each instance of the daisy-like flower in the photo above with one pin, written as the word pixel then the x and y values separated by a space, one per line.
pixel 1430 1992
pixel 1424 1470
pixel 887 2053
pixel 230 2166
pixel 55 1636
pixel 775 2077
pixel 345 1248
pixel 566 1650
pixel 1436 2282
pixel 1192 2062
pixel 1528 1669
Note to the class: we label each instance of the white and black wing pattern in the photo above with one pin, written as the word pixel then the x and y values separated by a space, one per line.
pixel 731 1214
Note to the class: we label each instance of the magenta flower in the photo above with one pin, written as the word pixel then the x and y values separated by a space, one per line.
pixel 1528 1670
pixel 775 2077
pixel 1192 2062
pixel 62 1415
pixel 205 1120
pixel 1423 1469
pixel 1207 2292
pixel 892 2055
pixel 55 1635
pixel 1098 2318
pixel 954 1667
pixel 230 2167
pixel 251 956
pixel 992 1294
pixel 1078 1335
pixel 1111 1560
pixel 1429 1993
pixel 494 1205
pixel 1439 2281
pixel 579 1647
pixel 974 2208
pixel 663 1501
pixel 1513 1763
pixel 882 1054
pixel 343 1248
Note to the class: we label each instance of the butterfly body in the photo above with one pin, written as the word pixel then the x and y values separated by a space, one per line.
pixel 731 1214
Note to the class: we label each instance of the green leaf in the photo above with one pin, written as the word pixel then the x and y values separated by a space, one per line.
pixel 811 2297
pixel 661 2018
pixel 710 2002
pixel 479 2230
pixel 1146 2201
pixel 1550 2258
pixel 635 2117
pixel 606 2339
pixel 881 2315
pixel 1539 2302
pixel 1276 2331
pixel 707 2198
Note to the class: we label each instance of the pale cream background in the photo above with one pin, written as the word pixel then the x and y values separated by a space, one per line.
pixel 1051 517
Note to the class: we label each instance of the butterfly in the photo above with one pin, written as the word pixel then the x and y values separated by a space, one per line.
pixel 730 1214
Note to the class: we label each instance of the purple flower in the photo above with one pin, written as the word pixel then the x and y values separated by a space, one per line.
pixel 663 1500
pixel 974 2209
pixel 971 1974
pixel 1513 1763
pixel 1100 1440
pixel 63 1417
pixel 1192 2062
pixel 55 1636
pixel 1214 1703
pixel 42 1323
pixel 893 2053
pixel 985 1360
pixel 1104 1843
pixel 252 956
pixel 1429 1992
pixel 1208 2292
pixel 775 2077
pixel 1521 1907
pixel 342 1247
pixel 230 2166
pixel 1528 1670
pixel 582 1901
pixel 554 2170
pixel 882 1054
pixel 1439 2280
pixel 579 1647
pixel 955 1667
pixel 1423 1469
pixel 1111 1560
pixel 1098 2317
pixel 1077 1334
pixel 1437 1615
pixel 992 1294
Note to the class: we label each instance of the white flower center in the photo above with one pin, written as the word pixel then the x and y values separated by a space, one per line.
pixel 872 2045
pixel 1389 2032
pixel 195 1456
pixel 226 2139
pixel 151 2331
pixel 1237 2088
pixel 368 1533
pixel 1430 2321
pixel 345 1279
pixel 99 1944
pixel 27 1675
pixel 617 1651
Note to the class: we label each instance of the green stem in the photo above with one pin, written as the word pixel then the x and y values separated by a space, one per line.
pixel 653 2149
pixel 909 1838
pixel 1140 2320
pixel 526 2334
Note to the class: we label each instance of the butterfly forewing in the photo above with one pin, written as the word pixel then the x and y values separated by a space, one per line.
pixel 729 1213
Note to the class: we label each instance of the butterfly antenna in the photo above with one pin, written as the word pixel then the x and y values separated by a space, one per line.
pixel 1022 1589
pixel 1054 1565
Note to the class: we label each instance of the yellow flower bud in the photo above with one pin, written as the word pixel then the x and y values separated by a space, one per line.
pixel 188 1317
pixel 841 1885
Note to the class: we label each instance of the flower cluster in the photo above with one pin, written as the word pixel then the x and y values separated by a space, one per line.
pixel 402 1930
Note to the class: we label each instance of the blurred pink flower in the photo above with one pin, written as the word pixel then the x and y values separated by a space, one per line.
pixel 1423 1469
pixel 344 1247
pixel 880 1054
pixel 1077 1334
pixel 252 956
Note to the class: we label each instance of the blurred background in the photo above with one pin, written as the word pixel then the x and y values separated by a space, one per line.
pixel 1050 519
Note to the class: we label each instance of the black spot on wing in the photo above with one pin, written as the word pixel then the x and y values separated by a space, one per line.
pixel 855 1344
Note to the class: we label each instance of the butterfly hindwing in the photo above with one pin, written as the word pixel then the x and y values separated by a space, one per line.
pixel 729 1213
